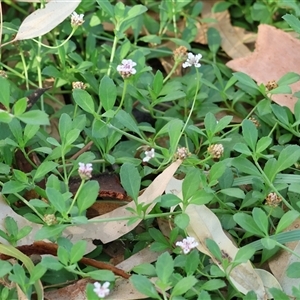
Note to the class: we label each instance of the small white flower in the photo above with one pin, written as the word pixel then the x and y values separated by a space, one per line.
pixel 192 60
pixel 101 291
pixel 187 244
pixel 85 171
pixel 126 68
pixel 76 19
pixel 148 155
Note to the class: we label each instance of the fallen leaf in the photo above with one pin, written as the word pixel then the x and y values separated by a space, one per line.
pixel 266 63
pixel 232 37
pixel 279 263
pixel 45 19
pixel 268 280
pixel 107 231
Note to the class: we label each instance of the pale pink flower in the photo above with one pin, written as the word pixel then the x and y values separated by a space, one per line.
pixel 127 68
pixel 192 60
pixel 187 244
pixel 148 155
pixel 85 171
pixel 101 290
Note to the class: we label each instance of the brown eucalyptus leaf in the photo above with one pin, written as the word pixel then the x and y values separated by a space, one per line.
pixel 107 231
pixel 270 61
pixel 45 19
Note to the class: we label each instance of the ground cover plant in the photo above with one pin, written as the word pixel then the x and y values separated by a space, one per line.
pixel 149 150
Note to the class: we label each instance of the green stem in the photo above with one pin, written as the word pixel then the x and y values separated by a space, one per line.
pixel 123 96
pixel 58 46
pixel 113 51
pixel 75 197
pixel 172 71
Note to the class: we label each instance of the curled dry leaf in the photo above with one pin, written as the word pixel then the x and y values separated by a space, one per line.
pixel 266 63
pixel 269 281
pixel 45 19
pixel 109 231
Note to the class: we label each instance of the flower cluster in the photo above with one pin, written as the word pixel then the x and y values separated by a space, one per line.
pixel 85 171
pixel 78 85
pixel 76 19
pixel 273 199
pixel 148 155
pixel 215 150
pixel 126 68
pixel 101 290
pixel 182 153
pixel 180 53
pixel 50 219
pixel 187 244
pixel 192 60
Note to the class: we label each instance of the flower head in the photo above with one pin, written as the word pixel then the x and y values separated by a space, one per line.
pixel 182 153
pixel 78 85
pixel 76 19
pixel 192 60
pixel 126 69
pixel 101 290
pixel 215 150
pixel 187 244
pixel 273 199
pixel 148 155
pixel 180 53
pixel 50 219
pixel 85 171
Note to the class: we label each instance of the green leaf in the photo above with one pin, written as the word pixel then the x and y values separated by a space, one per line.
pixel 261 220
pixel 64 126
pixel 288 78
pixel 84 100
pixel 182 220
pixel 287 157
pixel 87 195
pixel 214 249
pixel 107 7
pixel 11 226
pixel 77 251
pixel 280 114
pixel 243 255
pixel 34 117
pixel 216 171
pixel 210 123
pixel 5 117
pixel 283 89
pixel 213 39
pixel 191 183
pixel 246 80
pixel 158 82
pixel 245 166
pixel 135 11
pixel 5 92
pixel 164 267
pixel 293 270
pixel 263 144
pixel 38 271
pixel 222 123
pixel 20 106
pixel 47 232
pixel 5 268
pixel 56 199
pixel 247 223
pixel 250 134
pixel 43 169
pixel 126 120
pixel 183 285
pixel 145 269
pixel 11 187
pixel 51 263
pixel 63 255
pixel 213 285
pixel 17 131
pixel 144 286
pixel 233 192
pixel 30 131
pixel 242 148
pixel 175 127
pixel 107 93
pixel 268 243
pixel 293 21
pixel 286 220
pixel 103 275
pixel 130 179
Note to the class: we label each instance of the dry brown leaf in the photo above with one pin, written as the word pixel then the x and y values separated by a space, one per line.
pixel 112 230
pixel 282 261
pixel 266 63
pixel 268 280
pixel 45 19
pixel 204 224
pixel 232 37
